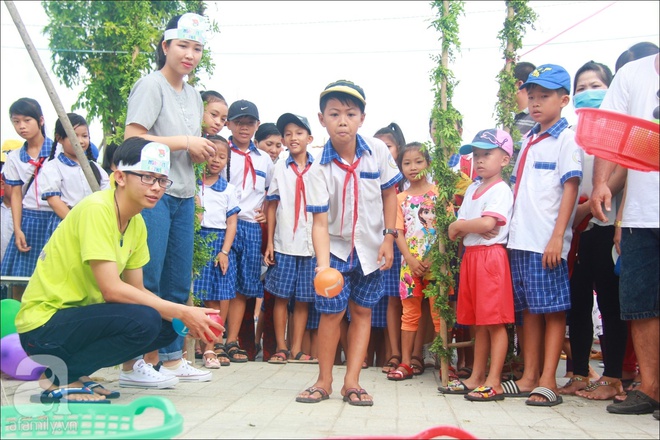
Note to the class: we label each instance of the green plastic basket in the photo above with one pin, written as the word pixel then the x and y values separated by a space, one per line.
pixel 89 420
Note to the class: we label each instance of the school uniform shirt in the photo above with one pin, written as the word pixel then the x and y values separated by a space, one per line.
pixel 63 277
pixel 376 172
pixel 283 190
pixel 18 170
pixel 65 178
pixel 220 201
pixel 496 201
pixel 550 162
pixel 6 228
pixel 253 192
pixel 634 91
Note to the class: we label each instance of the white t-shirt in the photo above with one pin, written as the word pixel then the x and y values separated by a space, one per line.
pixel 283 189
pixel 65 178
pixel 377 171
pixel 220 201
pixel 634 92
pixel 549 163
pixel 496 201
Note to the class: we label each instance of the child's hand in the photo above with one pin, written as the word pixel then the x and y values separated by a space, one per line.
pixel 385 256
pixel 259 216
pixel 552 253
pixel 416 266
pixel 269 255
pixel 492 233
pixel 223 261
pixel 21 243
pixel 453 231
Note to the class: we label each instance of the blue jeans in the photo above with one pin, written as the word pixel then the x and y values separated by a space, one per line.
pixel 168 273
pixel 88 338
pixel 638 284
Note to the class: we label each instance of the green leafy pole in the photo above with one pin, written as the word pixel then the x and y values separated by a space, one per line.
pixel 107 46
pixel 446 140
pixel 518 16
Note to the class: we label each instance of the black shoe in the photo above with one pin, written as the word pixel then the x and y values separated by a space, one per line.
pixel 636 403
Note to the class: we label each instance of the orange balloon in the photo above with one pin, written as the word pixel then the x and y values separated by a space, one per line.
pixel 328 282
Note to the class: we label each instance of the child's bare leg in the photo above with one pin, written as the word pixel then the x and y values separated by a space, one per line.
pixel 313 342
pixel 393 331
pixel 555 327
pixel 328 338
pixel 358 335
pixel 280 314
pixel 300 313
pixel 235 319
pixel 499 344
pixel 533 329
pixel 481 352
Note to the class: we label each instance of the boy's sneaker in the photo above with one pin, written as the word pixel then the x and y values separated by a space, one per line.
pixel 185 372
pixel 144 375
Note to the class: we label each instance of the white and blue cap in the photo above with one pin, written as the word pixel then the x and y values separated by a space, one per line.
pixel 190 27
pixel 154 158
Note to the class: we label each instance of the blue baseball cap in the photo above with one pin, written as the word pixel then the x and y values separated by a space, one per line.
pixel 550 76
pixel 489 139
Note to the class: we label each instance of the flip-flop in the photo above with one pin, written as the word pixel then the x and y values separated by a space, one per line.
pixel 59 396
pixel 302 358
pixel 552 397
pixel 456 386
pixel 280 357
pixel 511 389
pixel 486 394
pixel 310 399
pixel 91 385
pixel 359 393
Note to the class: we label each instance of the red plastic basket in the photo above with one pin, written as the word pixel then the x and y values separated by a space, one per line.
pixel 631 142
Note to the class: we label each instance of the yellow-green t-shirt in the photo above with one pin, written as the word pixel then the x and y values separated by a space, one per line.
pixel 63 277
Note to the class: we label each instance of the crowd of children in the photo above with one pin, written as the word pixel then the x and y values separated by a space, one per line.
pixel 274 215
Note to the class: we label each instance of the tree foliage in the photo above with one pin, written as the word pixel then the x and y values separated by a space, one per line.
pixel 447 140
pixel 107 46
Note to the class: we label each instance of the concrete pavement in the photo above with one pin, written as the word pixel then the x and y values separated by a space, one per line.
pixel 257 400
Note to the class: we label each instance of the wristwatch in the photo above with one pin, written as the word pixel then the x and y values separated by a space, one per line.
pixel 394 232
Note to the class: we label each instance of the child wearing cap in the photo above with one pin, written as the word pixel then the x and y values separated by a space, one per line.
pixel 164 108
pixel 485 297
pixel 251 171
pixel 349 185
pixel 86 304
pixel 546 175
pixel 289 252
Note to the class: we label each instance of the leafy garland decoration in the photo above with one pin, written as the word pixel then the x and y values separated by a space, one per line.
pixel 446 142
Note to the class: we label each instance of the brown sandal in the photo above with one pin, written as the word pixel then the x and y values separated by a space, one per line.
pixel 615 384
pixel 565 390
pixel 390 366
pixel 418 368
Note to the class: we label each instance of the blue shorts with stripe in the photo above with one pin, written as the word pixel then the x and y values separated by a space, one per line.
pixel 36 225
pixel 539 290
pixel 212 285
pixel 247 246
pixel 292 276
pixel 363 290
pixel 391 279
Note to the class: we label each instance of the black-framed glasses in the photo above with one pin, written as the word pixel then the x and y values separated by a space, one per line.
pixel 147 179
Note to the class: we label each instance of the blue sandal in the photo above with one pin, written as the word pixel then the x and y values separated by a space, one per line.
pixel 59 396
pixel 91 385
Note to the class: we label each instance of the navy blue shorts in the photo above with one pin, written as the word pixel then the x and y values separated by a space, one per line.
pixel 292 276
pixel 212 285
pixel 638 284
pixel 247 246
pixel 363 290
pixel 539 290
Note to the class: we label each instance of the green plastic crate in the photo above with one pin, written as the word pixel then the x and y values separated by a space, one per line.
pixel 89 420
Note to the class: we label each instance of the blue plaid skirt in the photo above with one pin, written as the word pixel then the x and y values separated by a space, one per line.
pixel 212 285
pixel 36 225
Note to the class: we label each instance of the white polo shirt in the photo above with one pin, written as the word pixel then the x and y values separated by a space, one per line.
pixel 220 201
pixel 550 163
pixel 252 193
pixel 377 171
pixel 65 178
pixel 283 190
pixel 496 201
pixel 634 92
pixel 18 170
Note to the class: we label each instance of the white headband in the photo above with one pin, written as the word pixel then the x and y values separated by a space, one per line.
pixel 155 158
pixel 190 27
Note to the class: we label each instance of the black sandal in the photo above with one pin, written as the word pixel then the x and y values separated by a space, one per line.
pixel 418 367
pixel 392 365
pixel 221 354
pixel 234 349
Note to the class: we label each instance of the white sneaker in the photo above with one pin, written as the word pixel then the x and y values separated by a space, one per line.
pixel 185 372
pixel 143 375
